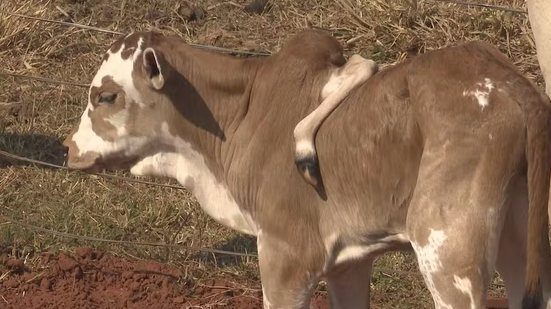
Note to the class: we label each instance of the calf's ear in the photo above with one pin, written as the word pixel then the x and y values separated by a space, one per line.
pixel 153 63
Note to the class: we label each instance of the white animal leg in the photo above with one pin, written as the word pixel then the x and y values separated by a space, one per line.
pixel 356 71
pixel 539 14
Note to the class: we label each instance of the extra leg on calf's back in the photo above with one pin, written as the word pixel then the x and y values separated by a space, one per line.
pixel 341 82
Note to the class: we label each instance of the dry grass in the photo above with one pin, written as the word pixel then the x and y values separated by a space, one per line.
pixel 35 116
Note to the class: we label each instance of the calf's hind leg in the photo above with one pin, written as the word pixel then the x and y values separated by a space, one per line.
pixel 356 71
pixel 455 218
pixel 511 259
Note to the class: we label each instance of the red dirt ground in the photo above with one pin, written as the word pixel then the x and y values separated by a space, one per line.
pixel 92 279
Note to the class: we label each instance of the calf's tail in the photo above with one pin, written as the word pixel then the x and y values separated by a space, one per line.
pixel 538 155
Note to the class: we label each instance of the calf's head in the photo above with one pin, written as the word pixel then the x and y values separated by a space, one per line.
pixel 125 96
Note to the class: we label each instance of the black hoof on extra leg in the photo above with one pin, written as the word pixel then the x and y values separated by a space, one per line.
pixel 309 169
pixel 321 190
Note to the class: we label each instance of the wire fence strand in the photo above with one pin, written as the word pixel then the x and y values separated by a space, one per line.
pixel 35 228
pixel 45 79
pixel 40 229
pixel 483 5
pixel 104 175
pixel 207 47
pixel 65 23
pixel 81 26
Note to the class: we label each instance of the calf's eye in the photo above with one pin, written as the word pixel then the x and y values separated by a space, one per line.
pixel 107 98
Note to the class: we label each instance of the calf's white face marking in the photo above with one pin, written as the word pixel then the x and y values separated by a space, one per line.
pixel 88 141
pixel 429 263
pixel 481 92
pixel 119 70
pixel 190 169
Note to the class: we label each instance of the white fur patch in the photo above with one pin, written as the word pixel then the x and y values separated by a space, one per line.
pixel 190 169
pixel 465 286
pixel 305 147
pixel 88 141
pixel 119 121
pixel 121 72
pixel 351 253
pixel 266 303
pixel 429 263
pixel 330 241
pixel 334 83
pixel 356 70
pixel 258 242
pixel 85 138
pixel 482 92
pixel 361 250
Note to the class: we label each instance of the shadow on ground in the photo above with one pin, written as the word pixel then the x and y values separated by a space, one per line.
pixel 33 146
pixel 238 243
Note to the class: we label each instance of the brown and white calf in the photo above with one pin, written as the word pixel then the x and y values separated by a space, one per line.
pixel 447 153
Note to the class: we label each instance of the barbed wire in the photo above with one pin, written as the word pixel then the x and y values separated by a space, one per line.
pixel 208 47
pixel 104 175
pixel 44 79
pixel 81 26
pixel 36 228
pixel 483 5
pixel 39 229
pixel 9 220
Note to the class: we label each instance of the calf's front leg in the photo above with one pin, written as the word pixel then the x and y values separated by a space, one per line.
pixel 288 277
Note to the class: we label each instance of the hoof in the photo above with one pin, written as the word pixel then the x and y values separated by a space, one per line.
pixel 309 169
